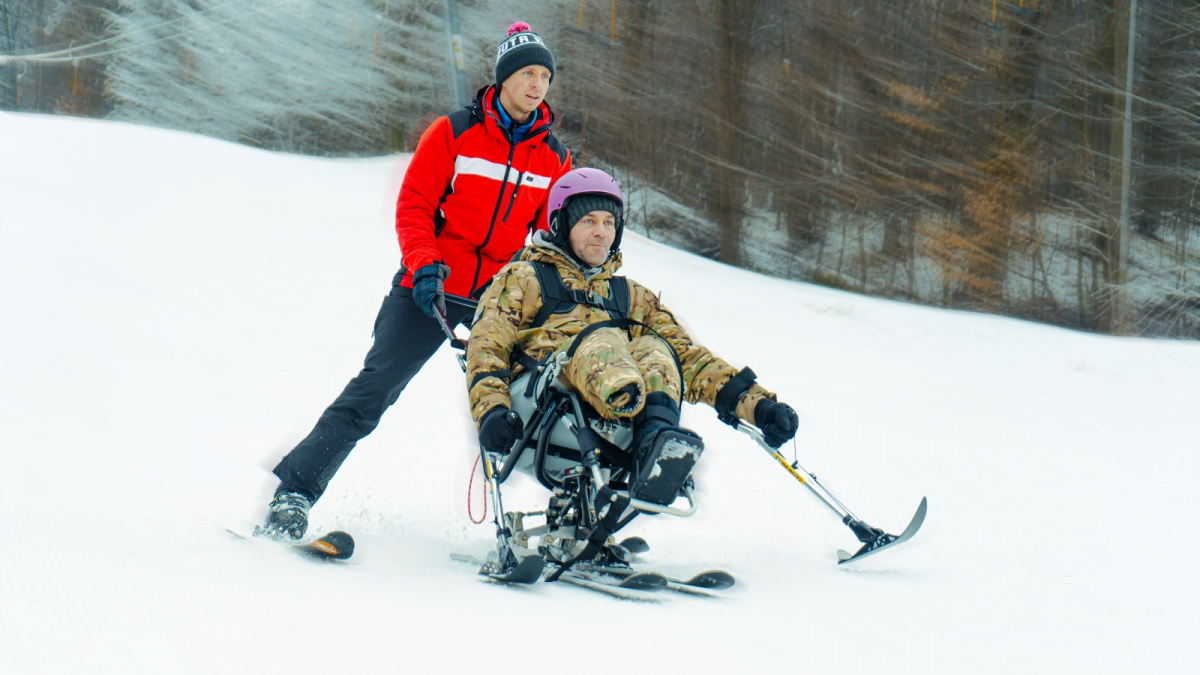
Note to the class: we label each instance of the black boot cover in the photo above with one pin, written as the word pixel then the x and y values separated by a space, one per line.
pixel 665 451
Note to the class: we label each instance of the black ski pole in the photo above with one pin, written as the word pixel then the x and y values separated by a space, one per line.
pixel 456 342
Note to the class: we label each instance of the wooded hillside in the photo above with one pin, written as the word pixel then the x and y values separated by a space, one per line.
pixel 973 155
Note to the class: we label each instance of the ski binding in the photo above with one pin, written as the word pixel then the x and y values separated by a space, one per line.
pixel 335 545
pixel 875 540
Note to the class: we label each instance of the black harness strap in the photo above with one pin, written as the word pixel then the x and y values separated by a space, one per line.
pixel 525 360
pixel 501 374
pixel 624 324
pixel 618 288
pixel 558 299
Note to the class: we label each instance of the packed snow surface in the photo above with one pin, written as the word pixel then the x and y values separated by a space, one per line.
pixel 177 311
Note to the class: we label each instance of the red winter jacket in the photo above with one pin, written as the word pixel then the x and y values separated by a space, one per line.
pixel 470 197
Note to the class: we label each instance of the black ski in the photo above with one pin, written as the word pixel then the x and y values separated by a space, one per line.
pixel 640 586
pixel 884 540
pixel 624 578
pixel 698 584
pixel 635 545
pixel 527 571
pixel 716 580
pixel 336 545
pixel 635 586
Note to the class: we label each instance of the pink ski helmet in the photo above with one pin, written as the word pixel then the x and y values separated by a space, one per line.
pixel 582 188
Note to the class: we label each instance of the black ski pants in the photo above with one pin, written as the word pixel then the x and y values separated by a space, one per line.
pixel 405 338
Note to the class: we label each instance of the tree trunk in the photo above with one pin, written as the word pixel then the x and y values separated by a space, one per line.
pixel 735 22
pixel 1112 305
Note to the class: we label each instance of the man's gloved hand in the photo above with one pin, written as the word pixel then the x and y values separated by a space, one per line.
pixel 777 421
pixel 428 292
pixel 499 428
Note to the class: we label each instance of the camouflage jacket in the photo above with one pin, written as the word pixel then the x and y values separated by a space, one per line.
pixel 506 311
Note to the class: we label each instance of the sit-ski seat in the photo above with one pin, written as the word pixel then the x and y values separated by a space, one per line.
pixel 550 448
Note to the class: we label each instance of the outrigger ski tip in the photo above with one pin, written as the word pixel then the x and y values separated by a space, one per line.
pixel 875 540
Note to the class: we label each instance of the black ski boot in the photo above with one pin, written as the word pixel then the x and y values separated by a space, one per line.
pixel 287 517
pixel 665 452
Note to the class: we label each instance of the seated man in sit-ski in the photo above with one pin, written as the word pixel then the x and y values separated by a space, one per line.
pixel 634 370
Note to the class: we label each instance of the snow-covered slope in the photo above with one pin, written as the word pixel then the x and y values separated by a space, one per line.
pixel 177 311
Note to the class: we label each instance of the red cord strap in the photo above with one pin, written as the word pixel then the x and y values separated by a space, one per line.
pixel 470 486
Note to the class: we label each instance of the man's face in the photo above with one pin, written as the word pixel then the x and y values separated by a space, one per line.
pixel 524 91
pixel 592 236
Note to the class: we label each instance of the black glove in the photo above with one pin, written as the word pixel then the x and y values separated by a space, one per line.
pixel 498 429
pixel 428 292
pixel 777 421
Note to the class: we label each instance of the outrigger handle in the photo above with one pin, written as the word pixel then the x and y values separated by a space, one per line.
pixel 456 342
pixel 799 473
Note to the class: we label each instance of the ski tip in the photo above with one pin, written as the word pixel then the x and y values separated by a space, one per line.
pixel 717 580
pixel 644 581
pixel 337 545
pixel 635 544
pixel 527 571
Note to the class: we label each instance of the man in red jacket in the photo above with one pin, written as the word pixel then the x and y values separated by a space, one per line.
pixel 475 189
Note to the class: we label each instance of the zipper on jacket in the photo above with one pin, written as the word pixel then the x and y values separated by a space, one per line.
pixel 520 175
pixel 512 148
pixel 512 200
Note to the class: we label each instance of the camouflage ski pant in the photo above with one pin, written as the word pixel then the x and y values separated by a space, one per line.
pixel 607 361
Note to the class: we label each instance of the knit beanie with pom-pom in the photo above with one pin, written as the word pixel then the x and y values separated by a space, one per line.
pixel 522 48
